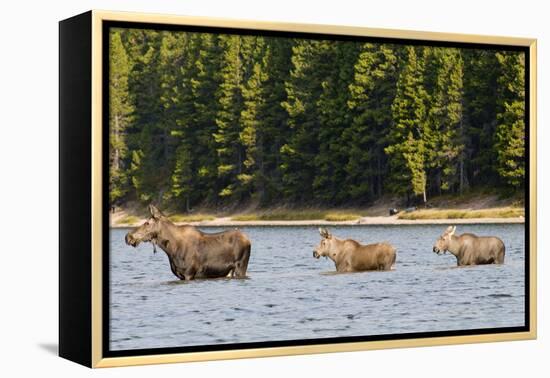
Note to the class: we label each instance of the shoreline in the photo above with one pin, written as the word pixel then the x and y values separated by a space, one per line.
pixel 365 221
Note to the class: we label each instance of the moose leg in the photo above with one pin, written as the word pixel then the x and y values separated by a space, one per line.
pixel 500 257
pixel 190 273
pixel 239 271
pixel 173 269
pixel 242 264
pixel 344 267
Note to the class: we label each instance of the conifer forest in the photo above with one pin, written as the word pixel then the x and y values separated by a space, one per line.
pixel 209 119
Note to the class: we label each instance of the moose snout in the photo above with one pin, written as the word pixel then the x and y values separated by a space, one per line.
pixel 315 254
pixel 129 240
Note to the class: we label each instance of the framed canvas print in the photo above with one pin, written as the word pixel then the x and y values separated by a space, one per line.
pixel 236 189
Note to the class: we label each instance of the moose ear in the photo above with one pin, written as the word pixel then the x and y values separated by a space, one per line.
pixel 155 213
pixel 449 230
pixel 452 231
pixel 324 233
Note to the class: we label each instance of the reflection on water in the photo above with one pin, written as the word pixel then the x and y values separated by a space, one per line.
pixel 290 295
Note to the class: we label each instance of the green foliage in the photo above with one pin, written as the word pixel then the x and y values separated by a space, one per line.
pixel 336 66
pixel 252 134
pixel 234 70
pixel 182 176
pixel 217 120
pixel 479 117
pixel 120 117
pixel 146 134
pixel 372 92
pixel 409 133
pixel 445 132
pixel 510 130
pixel 303 90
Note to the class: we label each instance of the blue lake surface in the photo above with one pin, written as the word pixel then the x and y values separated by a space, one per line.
pixel 290 295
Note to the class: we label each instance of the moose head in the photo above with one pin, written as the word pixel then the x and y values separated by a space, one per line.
pixel 148 231
pixel 442 244
pixel 324 248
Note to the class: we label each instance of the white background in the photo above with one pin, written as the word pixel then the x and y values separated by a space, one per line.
pixel 29 189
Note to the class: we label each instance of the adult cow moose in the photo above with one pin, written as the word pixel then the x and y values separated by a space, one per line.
pixel 351 256
pixel 191 252
pixel 470 249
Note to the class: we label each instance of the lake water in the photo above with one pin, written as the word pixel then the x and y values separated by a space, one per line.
pixel 290 295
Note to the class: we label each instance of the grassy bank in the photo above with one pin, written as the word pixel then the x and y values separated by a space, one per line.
pixel 199 217
pixel 295 215
pixel 472 205
pixel 504 212
pixel 128 219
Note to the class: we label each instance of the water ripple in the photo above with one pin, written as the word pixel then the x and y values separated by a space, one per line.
pixel 290 295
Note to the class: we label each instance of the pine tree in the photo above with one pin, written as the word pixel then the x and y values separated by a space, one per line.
pixel 231 104
pixel 120 116
pixel 194 176
pixel 145 86
pixel 336 66
pixel 275 130
pixel 480 86
pixel 445 145
pixel 179 111
pixel 372 92
pixel 510 130
pixel 407 145
pixel 172 61
pixel 183 177
pixel 303 89
pixel 204 84
pixel 251 136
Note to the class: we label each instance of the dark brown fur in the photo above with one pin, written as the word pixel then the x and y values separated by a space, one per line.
pixel 193 253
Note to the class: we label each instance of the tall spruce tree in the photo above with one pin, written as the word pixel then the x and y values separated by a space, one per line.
pixel 303 87
pixel 252 179
pixel 205 85
pixel 178 99
pixel 372 92
pixel 337 67
pixel 445 142
pixel 264 120
pixel 231 152
pixel 194 178
pixel 510 130
pixel 172 60
pixel 120 116
pixel 481 70
pixel 145 142
pixel 407 145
